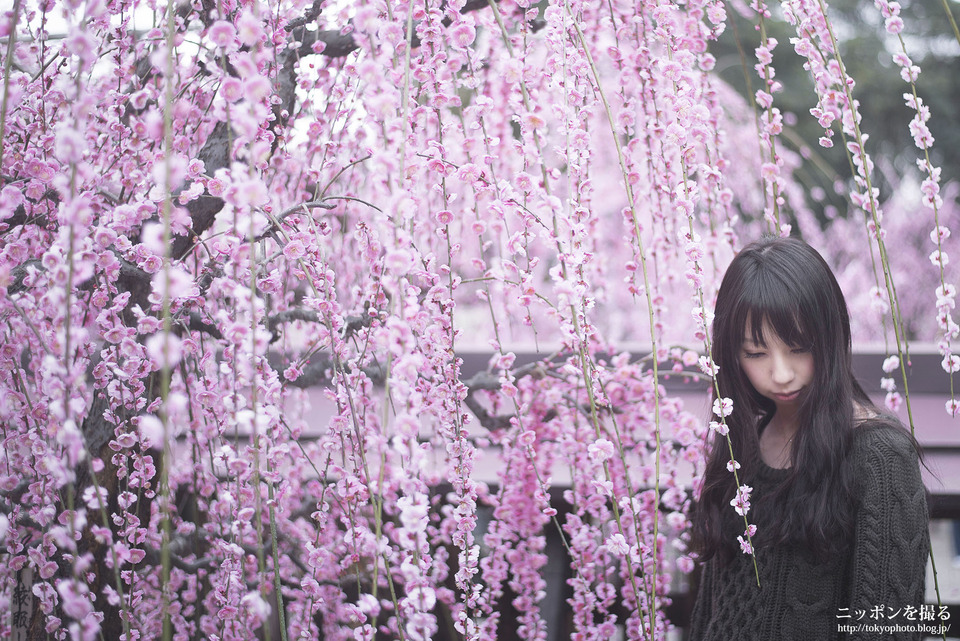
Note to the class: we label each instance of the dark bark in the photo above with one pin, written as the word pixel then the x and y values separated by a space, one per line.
pixel 19 273
pixel 336 43
pixel 203 210
pixel 308 16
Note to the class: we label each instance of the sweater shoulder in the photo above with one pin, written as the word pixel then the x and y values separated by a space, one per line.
pixel 882 438
pixel 886 461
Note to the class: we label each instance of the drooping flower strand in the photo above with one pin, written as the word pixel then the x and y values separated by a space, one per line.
pixel 866 198
pixel 771 122
pixel 694 252
pixel 521 433
pixel 711 188
pixel 11 28
pixel 817 43
pixel 683 200
pixel 647 565
pixel 930 188
pixel 718 196
pixel 722 408
pixel 827 112
pixel 166 344
pixel 650 586
pixel 452 426
pixel 260 30
pixel 579 325
pixel 952 20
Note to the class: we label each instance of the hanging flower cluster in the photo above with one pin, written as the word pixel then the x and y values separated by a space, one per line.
pixel 816 43
pixel 946 292
pixel 770 123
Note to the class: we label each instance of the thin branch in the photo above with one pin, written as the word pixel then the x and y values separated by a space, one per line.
pixel 289 316
pixel 152 556
pixel 337 44
pixel 308 16
pixel 196 323
pixel 301 208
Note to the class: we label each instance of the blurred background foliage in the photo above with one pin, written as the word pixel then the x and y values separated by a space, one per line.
pixel 931 42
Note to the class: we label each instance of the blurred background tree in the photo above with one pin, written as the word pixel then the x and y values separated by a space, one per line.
pixel 866 50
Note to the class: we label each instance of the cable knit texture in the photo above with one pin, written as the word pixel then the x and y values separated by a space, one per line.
pixel 802 598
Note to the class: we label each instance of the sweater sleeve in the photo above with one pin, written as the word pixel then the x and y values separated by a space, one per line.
pixel 891 541
pixel 702 608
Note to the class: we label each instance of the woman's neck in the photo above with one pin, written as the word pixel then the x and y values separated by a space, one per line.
pixel 776 440
pixel 785 423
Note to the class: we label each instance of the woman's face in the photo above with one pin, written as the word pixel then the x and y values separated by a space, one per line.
pixel 779 372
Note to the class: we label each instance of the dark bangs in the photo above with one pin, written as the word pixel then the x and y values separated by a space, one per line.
pixel 787 285
pixel 770 302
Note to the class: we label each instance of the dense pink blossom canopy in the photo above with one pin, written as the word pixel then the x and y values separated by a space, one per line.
pixel 244 247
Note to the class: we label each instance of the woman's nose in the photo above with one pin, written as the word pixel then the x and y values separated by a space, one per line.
pixel 782 371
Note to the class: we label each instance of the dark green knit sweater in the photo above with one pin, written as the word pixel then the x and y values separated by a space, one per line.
pixel 801 598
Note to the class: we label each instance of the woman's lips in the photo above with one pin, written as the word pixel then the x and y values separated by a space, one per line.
pixel 787 397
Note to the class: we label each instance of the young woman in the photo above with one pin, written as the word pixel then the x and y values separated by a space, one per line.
pixel 839 506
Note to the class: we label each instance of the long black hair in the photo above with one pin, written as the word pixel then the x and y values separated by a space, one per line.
pixel 784 284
